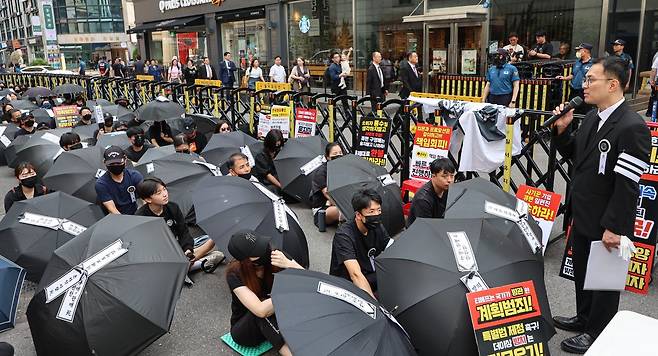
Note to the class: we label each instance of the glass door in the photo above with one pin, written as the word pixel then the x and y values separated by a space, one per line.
pixel 469 49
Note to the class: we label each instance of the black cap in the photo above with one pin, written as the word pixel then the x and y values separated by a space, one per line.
pixel 113 155
pixel 248 243
pixel 26 116
pixel 540 33
pixel 585 46
pixel 188 125
pixel 619 41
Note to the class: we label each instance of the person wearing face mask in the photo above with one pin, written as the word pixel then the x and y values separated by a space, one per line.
pixel 357 242
pixel 70 141
pixel 196 140
pixel 85 117
pixel 503 80
pixel 578 73
pixel 264 169
pixel 138 144
pixel 319 195
pixel 27 126
pixel 122 102
pixel 430 200
pixel 250 278
pixel 106 127
pixel 160 134
pixel 115 189
pixel 14 116
pixel 28 186
pixel 238 166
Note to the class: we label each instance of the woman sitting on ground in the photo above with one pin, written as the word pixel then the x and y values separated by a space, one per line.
pixel 223 126
pixel 264 169
pixel 28 186
pixel 319 195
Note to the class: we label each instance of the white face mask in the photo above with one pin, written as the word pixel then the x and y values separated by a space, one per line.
pixel 579 54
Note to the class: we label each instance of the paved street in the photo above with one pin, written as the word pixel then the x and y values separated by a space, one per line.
pixel 203 311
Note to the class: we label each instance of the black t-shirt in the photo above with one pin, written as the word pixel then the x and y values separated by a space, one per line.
pixel 545 48
pixel 135 156
pixel 350 244
pixel 198 143
pixel 155 130
pixel 174 218
pixel 16 194
pixel 427 204
pixel 82 123
pixel 23 131
pixel 318 182
pixel 264 166
pixel 238 310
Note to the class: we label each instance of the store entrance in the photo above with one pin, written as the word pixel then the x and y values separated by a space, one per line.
pixel 246 39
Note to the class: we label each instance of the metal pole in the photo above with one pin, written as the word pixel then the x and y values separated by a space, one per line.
pixel 643 9
pixel 604 26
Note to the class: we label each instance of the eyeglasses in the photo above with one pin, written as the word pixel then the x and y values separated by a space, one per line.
pixel 588 81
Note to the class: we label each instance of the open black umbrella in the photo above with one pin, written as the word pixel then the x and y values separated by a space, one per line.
pixel 419 279
pixel 117 138
pixel 126 276
pixel 98 102
pixel 222 145
pixel 38 92
pixel 11 282
pixel 29 244
pixel 13 147
pixel 23 104
pixel 349 174
pixel 42 116
pixel 298 153
pixel 154 153
pixel 7 132
pixel 75 172
pixel 160 109
pixel 40 149
pixel 338 317
pixel 205 124
pixel 86 132
pixel 69 89
pixel 227 204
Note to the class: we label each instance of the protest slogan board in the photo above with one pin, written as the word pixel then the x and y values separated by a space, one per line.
pixel 543 206
pixel 430 143
pixel 208 82
pixel 305 121
pixel 507 320
pixel 279 118
pixel 273 86
pixel 374 137
pixel 144 77
pixel 66 115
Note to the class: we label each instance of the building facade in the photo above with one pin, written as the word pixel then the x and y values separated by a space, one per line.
pixel 20 28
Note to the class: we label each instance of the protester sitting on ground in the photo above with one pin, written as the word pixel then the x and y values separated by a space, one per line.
pixel 138 145
pixel 430 200
pixel 357 242
pixel 238 166
pixel 116 188
pixel 250 278
pixel 153 191
pixel 6 108
pixel 223 126
pixel 264 170
pixel 160 134
pixel 70 141
pixel 197 141
pixel 85 117
pixel 107 126
pixel 28 186
pixel 320 199
pixel 27 125
pixel 181 145
pixel 14 116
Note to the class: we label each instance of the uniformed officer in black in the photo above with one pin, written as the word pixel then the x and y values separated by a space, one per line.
pixel 610 151
pixel 618 48
pixel 542 49
pixel 430 200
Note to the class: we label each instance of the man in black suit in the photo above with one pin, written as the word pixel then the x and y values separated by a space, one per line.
pixel 227 71
pixel 411 79
pixel 375 84
pixel 610 151
pixel 206 70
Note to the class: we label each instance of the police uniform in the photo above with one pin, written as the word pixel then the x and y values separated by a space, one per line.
pixel 607 165
pixel 627 59
pixel 501 84
pixel 579 72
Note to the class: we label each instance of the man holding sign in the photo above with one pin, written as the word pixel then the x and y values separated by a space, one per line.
pixel 430 200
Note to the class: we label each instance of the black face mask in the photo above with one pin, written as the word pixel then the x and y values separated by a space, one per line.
pixel 373 221
pixel 75 146
pixel 139 141
pixel 29 123
pixel 499 61
pixel 335 157
pixel 86 117
pixel 116 169
pixel 246 176
pixel 29 182
pixel 108 122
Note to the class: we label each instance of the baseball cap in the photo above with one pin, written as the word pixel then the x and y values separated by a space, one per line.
pixel 113 155
pixel 540 33
pixel 248 243
pixel 585 46
pixel 188 125
pixel 619 41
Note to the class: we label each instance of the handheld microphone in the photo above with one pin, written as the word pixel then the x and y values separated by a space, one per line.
pixel 574 103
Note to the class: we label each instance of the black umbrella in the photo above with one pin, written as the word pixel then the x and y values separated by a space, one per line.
pixel 11 282
pixel 419 279
pixel 296 154
pixel 30 245
pixel 38 92
pixel 5 92
pixel 222 145
pixel 7 132
pixel 23 104
pixel 160 109
pixel 337 318
pixel 98 102
pixel 227 204
pixel 125 304
pixel 117 138
pixel 69 89
pixel 75 172
pixel 349 174
pixel 40 149
pixel 205 124
pixel 42 116
pixel 15 145
pixel 181 175
pixel 154 153
pixel 86 132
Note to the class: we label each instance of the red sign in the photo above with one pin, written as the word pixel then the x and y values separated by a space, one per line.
pixel 542 204
pixel 186 42
pixel 305 121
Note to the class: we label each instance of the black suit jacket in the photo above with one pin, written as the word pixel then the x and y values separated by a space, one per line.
pixel 202 72
pixel 410 81
pixel 374 86
pixel 227 75
pixel 606 201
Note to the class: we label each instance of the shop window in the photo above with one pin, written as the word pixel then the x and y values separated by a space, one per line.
pixel 94 27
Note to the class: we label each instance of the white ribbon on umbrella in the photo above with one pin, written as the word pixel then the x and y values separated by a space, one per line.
pixel 213 169
pixel 247 152
pixel 50 222
pixel 312 165
pixel 518 216
pixel 281 210
pixel 73 282
pixel 466 262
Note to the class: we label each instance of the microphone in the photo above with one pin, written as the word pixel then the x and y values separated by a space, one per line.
pixel 574 103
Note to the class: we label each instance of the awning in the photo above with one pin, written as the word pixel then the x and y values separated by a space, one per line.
pixel 173 24
pixel 450 14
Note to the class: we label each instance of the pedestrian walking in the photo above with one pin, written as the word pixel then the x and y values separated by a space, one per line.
pixel 300 77
pixel 411 79
pixel 155 70
pixel 376 86
pixel 227 71
pixel 207 71
pixel 254 74
pixel 277 71
pixel 139 65
pixel 116 68
pixel 82 66
pixel 190 72
pixel 174 73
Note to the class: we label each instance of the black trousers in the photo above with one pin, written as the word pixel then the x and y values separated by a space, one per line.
pixel 594 308
pixel 504 99
pixel 251 330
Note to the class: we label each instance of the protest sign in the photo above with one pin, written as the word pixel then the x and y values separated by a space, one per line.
pixel 507 320
pixel 373 139
pixel 430 143
pixel 305 121
pixel 66 115
pixel 208 82
pixel 279 118
pixel 144 77
pixel 542 206
pixel 273 86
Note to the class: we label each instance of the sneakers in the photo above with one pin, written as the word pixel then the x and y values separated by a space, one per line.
pixel 188 281
pixel 211 261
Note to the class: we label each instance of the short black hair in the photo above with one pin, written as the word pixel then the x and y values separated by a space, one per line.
pixel 442 164
pixel 513 34
pixel 333 54
pixel 134 131
pixel 179 139
pixel 616 67
pixel 12 111
pixel 235 157
pixel 139 58
pixel 68 138
pixel 226 53
pixel 329 146
pixel 409 54
pixel 148 187
pixel 23 165
pixel 279 57
pixel 220 123
pixel 271 139
pixel 84 108
pixel 362 199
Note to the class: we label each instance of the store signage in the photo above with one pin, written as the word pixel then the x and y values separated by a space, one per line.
pixel 168 5
pixel 304 24
pixel 36 25
pixel 49 22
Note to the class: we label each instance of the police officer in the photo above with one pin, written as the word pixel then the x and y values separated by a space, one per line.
pixel 542 49
pixel 618 48
pixel 609 151
pixel 503 79
pixel 580 69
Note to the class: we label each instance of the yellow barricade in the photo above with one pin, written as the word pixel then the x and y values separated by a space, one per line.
pixel 273 86
pixel 208 82
pixel 144 77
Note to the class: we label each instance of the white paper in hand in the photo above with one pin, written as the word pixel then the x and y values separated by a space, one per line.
pixel 605 270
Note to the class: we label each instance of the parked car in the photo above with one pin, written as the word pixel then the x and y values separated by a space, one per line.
pixel 45 69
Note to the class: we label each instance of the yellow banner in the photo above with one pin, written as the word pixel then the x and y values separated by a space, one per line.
pixel 280 111
pixel 273 86
pixel 144 77
pixel 208 82
pixel 473 99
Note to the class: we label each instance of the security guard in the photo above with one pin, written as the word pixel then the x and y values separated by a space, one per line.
pixel 610 151
pixel 580 69
pixel 618 48
pixel 502 86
